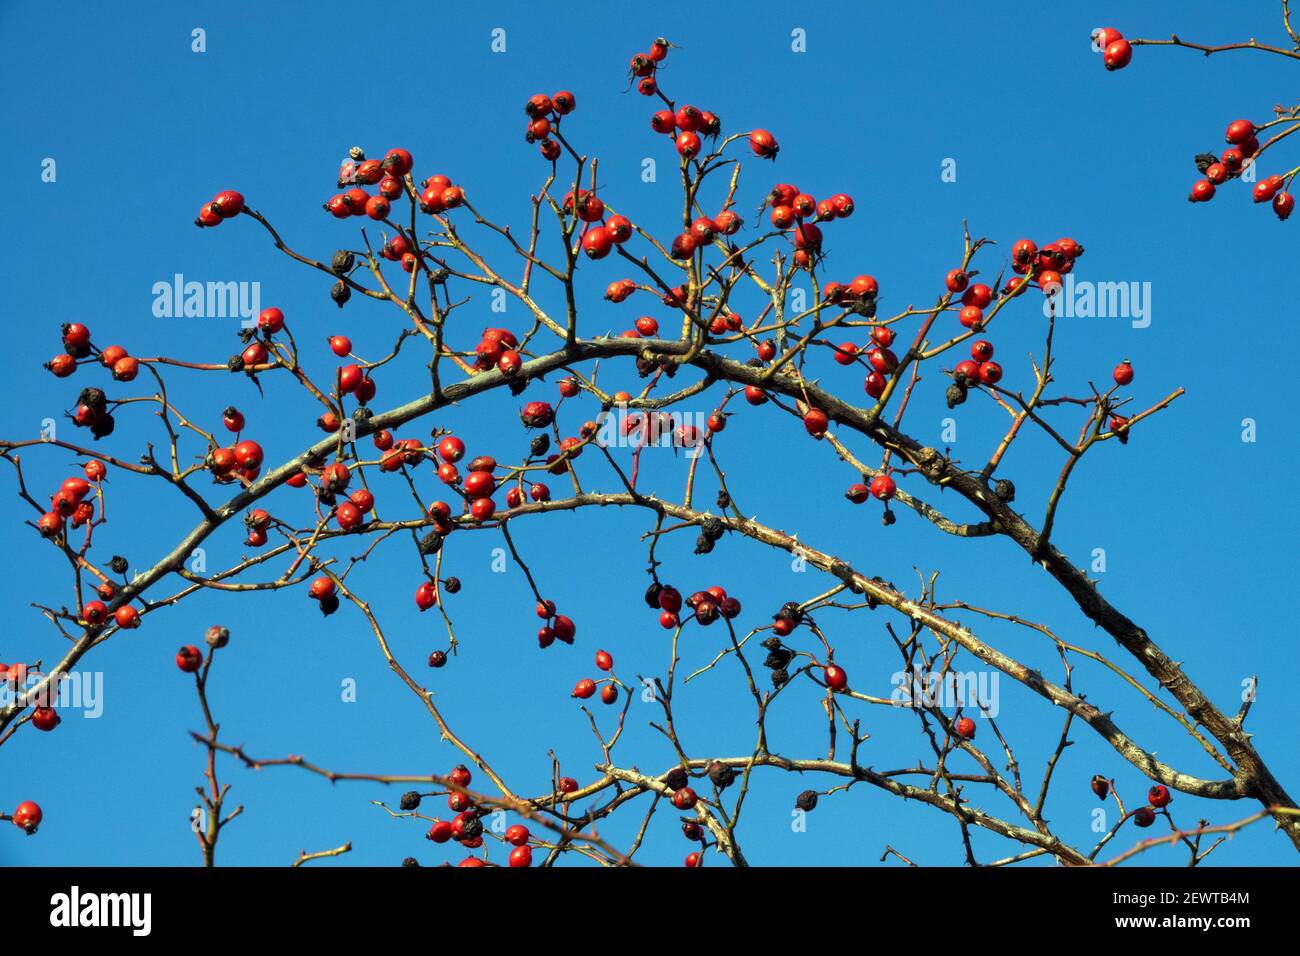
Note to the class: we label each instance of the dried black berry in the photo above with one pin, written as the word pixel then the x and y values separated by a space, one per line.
pixel 340 293
pixel 721 775
pixel 328 605
pixel 410 861
pixel 103 426
pixel 1005 490
pixel 451 585
pixel 410 800
pixel 342 261
pixel 703 544
pixel 431 543
pixel 541 444
pixel 887 518
pixel 806 801
pixel 676 778
pixel 956 394
pixel 438 659
pixel 118 564
pixel 779 677
pixel 778 658
pixel 652 594
pixel 724 500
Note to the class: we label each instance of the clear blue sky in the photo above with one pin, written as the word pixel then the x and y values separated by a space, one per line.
pixel 1196 524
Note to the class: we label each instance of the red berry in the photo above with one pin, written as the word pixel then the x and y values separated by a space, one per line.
pixel 1105 36
pixel 1266 188
pixel 45 718
pixel 584 689
pixel 858 493
pixel 189 658
pixel 609 694
pixel 836 679
pixel 597 242
pixel 248 454
pixel 816 422
pixel 688 144
pixel 28 816
pixel 978 295
pixel 348 515
pixel 684 798
pixel 883 487
pixel 228 203
pixel 1117 55
pixel 94 613
pixel 694 861
pixel 763 144
pixel 965 728
pixel 1283 204
pixel 127 617
pixel 604 660
pixel 1144 817
pixel 1123 373
pixel 321 589
pixel 1202 191
pixel 1239 131
pixel 956 280
pixel 521 856
pixel 1159 796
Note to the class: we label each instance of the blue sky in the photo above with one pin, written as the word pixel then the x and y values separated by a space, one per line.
pixel 1196 524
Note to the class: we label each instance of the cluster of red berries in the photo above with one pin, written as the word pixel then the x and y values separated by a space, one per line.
pixel 1243 145
pixel 498 348
pixel 68 502
pixel 882 487
pixel 979 369
pixel 43 717
pixel 242 460
pixel 598 237
pixel 585 689
pixel 1045 263
pixel 707 605
pixel 643 67
pixel 1158 797
pixel 544 114
pixel 688 123
pixel 558 627
pixel 76 342
pixel 477 487
pixel 224 205
pixel 800 212
pixel 387 175
pixel 466 827
pixel 703 231
pixel 1116 52
pixel 880 360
